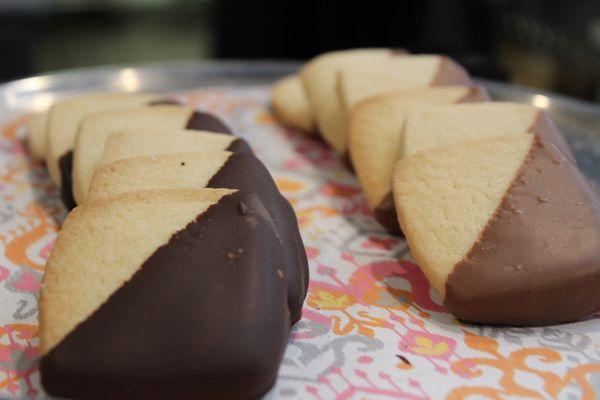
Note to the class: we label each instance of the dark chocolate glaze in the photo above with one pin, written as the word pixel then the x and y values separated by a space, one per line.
pixel 243 171
pixel 205 317
pixel 164 102
pixel 239 145
pixel 65 165
pixel 202 121
pixel 385 212
pixel 538 260
pixel 347 161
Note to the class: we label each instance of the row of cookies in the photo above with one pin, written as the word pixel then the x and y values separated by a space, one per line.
pixel 452 170
pixel 182 266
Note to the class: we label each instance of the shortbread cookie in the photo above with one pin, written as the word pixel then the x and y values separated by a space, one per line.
pixel 375 136
pixel 214 169
pixel 36 135
pixel 442 125
pixel 95 130
pixel 164 294
pixel 360 81
pixel 319 78
pixel 291 105
pixel 64 119
pixel 145 142
pixel 506 229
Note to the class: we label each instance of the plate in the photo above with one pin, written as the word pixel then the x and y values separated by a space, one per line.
pixel 371 327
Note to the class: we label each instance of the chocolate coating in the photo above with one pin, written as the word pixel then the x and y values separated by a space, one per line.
pixel 538 260
pixel 347 161
pixel 202 121
pixel 545 128
pixel 164 102
pixel 450 73
pixel 198 121
pixel 65 165
pixel 205 317
pixel 239 145
pixel 243 171
pixel 385 212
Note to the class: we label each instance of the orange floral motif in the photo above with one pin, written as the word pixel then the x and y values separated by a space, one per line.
pixel 265 117
pixel 578 375
pixel 288 185
pixel 308 215
pixel 10 130
pixel 517 361
pixel 424 345
pixel 39 226
pixel 329 300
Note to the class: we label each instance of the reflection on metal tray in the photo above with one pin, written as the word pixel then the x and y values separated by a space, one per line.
pixel 580 121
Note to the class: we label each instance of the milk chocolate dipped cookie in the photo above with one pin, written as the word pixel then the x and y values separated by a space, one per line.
pixel 360 81
pixel 447 124
pixel 291 105
pixel 319 78
pixel 64 119
pixel 36 135
pixel 214 169
pixel 375 133
pixel 96 128
pixel 164 294
pixel 506 229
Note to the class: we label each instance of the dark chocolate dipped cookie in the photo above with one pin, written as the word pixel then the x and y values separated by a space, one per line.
pixel 164 294
pixel 506 229
pixel 95 130
pixel 214 169
pixel 64 118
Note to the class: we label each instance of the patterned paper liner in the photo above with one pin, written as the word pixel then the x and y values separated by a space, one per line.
pixel 371 327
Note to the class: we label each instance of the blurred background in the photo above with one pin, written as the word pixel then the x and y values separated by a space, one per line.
pixel 548 44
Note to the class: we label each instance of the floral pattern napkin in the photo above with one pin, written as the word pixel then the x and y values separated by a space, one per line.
pixel 371 326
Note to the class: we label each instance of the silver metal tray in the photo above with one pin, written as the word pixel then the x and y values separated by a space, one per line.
pixel 579 120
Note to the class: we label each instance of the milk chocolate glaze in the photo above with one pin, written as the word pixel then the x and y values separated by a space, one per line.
pixel 545 128
pixel 475 94
pixel 450 73
pixel 385 212
pixel 243 171
pixel 538 260
pixel 65 165
pixel 202 121
pixel 205 317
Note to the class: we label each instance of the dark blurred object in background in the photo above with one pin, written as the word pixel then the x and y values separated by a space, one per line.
pixel 303 29
pixel 548 44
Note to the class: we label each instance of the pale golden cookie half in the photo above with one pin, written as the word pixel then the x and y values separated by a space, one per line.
pixel 319 77
pixel 447 124
pixel 291 105
pixel 376 126
pixel 96 128
pixel 64 118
